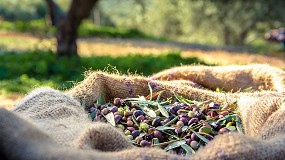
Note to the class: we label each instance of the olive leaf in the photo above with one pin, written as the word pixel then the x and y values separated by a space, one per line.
pixel 239 125
pixel 228 118
pixel 162 128
pixel 148 111
pixel 101 98
pixel 231 128
pixel 188 149
pixel 162 110
pixel 92 115
pixel 175 145
pixel 111 118
pixel 200 136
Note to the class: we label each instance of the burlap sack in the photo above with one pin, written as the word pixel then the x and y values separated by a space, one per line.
pixel 57 127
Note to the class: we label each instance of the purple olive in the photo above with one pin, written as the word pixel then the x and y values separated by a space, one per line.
pixel 102 107
pixel 194 137
pixel 131 129
pixel 195 109
pixel 117 101
pixel 151 130
pixel 193 120
pixel 137 113
pixel 175 108
pixel 135 133
pixel 212 113
pixel 130 123
pixel 149 137
pixel 188 141
pixel 118 118
pixel 184 120
pixel 145 143
pixel 200 115
pixel 114 109
pixel 157 134
pixel 140 118
pixel 194 145
pixel 129 118
pixel 146 121
pixel 92 109
pixel 178 130
pixel 165 121
pixel 180 151
pixel 156 122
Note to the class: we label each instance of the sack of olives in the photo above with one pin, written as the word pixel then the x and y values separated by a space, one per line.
pixel 187 112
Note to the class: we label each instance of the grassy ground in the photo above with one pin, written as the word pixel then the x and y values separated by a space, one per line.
pixel 116 52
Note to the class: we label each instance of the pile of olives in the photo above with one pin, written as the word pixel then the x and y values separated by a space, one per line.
pixel 181 127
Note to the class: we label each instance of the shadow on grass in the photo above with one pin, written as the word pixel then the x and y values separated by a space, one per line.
pixel 22 72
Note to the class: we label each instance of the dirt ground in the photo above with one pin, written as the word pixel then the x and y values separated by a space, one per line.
pixel 120 47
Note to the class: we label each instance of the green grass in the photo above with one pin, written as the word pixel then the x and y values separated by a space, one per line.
pixel 21 72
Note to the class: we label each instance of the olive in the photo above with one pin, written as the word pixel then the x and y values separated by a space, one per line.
pixel 178 130
pixel 130 123
pixel 131 128
pixel 135 133
pixel 140 118
pixel 193 120
pixel 223 130
pixel 118 118
pixel 102 107
pixel 105 111
pixel 149 137
pixel 229 124
pixel 194 137
pixel 179 124
pixel 114 109
pixel 117 101
pixel 137 113
pixel 127 132
pixel 127 113
pixel 194 145
pixel 151 130
pixel 213 105
pixel 138 140
pixel 92 109
pixel 188 141
pixel 191 114
pixel 145 143
pixel 156 122
pixel 157 134
pixel 212 113
pixel 184 120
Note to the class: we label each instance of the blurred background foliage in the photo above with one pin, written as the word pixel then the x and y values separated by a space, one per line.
pixel 222 22
pixel 209 22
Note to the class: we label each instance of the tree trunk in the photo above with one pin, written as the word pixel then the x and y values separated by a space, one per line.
pixel 67 29
pixel 68 25
pixel 227 35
